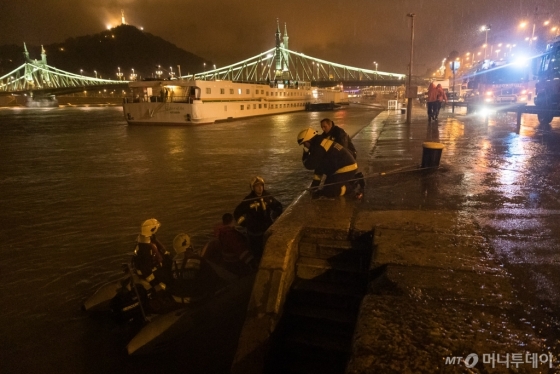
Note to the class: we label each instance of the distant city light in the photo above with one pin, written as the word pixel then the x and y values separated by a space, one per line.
pixel 108 27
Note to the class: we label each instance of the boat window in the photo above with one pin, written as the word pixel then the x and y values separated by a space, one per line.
pixel 254 106
pixel 241 107
pixel 222 91
pixel 231 91
pixel 248 91
pixel 266 93
pixel 260 106
pixel 208 90
pixel 262 92
pixel 265 105
pixel 239 91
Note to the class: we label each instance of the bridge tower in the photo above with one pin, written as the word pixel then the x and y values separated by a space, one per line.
pixel 285 54
pixel 37 77
pixel 277 54
pixel 280 57
pixel 29 67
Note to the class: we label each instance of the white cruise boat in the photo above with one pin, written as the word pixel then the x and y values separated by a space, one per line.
pixel 195 102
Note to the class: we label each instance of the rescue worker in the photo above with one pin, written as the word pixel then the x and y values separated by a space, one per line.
pixel 193 276
pixel 337 134
pixel 327 157
pixel 256 213
pixel 234 246
pixel 151 261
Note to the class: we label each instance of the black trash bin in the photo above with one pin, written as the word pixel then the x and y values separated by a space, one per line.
pixel 431 154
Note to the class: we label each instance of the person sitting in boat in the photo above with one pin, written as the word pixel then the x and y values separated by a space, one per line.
pixel 150 258
pixel 234 247
pixel 193 276
pixel 257 212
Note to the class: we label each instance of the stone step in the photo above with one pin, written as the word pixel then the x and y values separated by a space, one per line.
pixel 319 313
pixel 323 248
pixel 332 270
pixel 312 325
pixel 327 294
pixel 298 360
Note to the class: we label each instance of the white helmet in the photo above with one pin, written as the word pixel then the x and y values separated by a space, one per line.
pixel 143 239
pixel 255 181
pixel 181 243
pixel 306 135
pixel 149 227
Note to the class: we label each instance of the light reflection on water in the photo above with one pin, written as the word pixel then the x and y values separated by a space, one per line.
pixel 77 183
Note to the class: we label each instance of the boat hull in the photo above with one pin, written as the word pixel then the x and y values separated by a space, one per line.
pixel 201 319
pixel 101 299
pixel 202 113
pixel 194 102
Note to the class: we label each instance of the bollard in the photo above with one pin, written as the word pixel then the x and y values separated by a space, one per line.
pixel 431 154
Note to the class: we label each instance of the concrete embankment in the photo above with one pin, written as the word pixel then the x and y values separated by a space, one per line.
pixel 434 291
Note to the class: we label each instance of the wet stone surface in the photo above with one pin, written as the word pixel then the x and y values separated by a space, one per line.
pixel 467 258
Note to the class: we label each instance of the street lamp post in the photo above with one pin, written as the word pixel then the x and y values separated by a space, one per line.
pixel 95 71
pixel 486 28
pixel 375 65
pixel 409 93
pixel 159 72
pixel 119 74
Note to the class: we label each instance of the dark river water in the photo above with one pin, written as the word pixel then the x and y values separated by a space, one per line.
pixel 76 184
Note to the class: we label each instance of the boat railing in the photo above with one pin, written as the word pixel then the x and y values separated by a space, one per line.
pixel 159 99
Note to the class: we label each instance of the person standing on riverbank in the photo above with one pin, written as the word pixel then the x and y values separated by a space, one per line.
pixel 441 98
pixel 432 101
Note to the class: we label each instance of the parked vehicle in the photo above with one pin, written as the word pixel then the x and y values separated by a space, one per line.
pixel 548 82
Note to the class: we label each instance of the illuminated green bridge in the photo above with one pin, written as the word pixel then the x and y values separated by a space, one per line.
pixel 36 78
pixel 280 63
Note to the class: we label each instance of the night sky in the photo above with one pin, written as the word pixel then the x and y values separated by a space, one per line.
pixel 351 32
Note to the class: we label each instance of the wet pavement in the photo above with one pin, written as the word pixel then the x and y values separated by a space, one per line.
pixel 465 272
pixel 467 260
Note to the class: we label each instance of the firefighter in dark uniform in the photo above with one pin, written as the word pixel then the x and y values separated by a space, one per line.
pixel 151 260
pixel 327 157
pixel 337 134
pixel 256 213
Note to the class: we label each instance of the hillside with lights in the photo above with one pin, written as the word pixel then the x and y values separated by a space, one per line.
pixel 102 54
